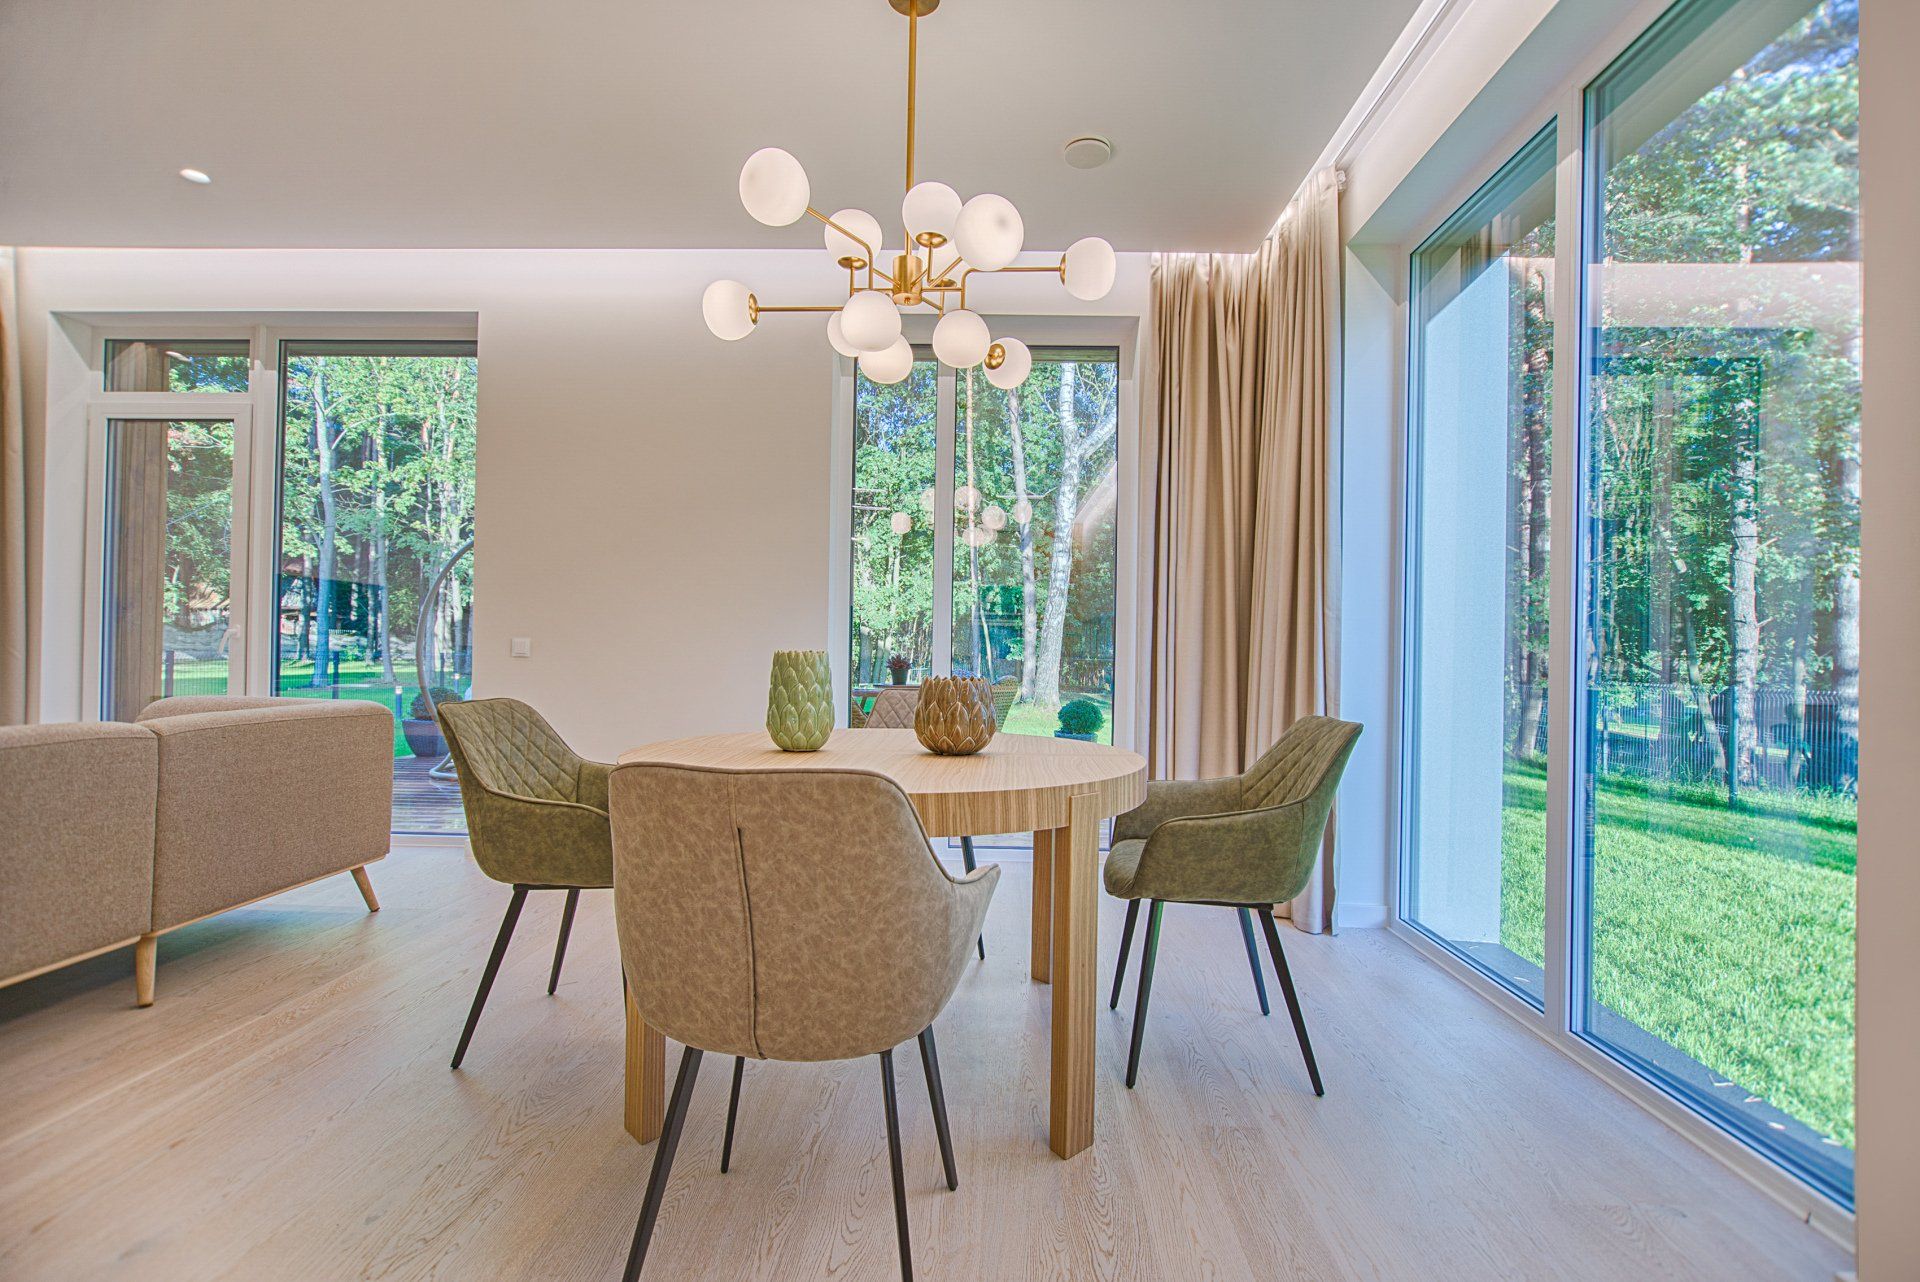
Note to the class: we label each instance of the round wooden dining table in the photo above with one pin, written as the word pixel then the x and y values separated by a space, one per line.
pixel 1058 789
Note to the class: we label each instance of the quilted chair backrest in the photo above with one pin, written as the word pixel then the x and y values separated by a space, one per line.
pixel 893 708
pixel 1005 691
pixel 505 746
pixel 780 914
pixel 1307 762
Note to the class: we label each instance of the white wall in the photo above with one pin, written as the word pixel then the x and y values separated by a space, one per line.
pixel 653 504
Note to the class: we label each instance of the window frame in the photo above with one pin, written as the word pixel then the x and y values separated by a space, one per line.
pixel 1559 1022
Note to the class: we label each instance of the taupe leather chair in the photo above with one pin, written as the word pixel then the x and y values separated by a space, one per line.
pixel 785 915
pixel 1247 842
pixel 536 818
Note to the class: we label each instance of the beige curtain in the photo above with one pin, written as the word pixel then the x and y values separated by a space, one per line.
pixel 13 509
pixel 1246 372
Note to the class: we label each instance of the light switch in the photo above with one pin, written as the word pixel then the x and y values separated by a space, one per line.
pixel 523 647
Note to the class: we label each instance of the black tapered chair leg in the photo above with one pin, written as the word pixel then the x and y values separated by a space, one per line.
pixel 930 1062
pixel 493 968
pixel 1253 958
pixel 668 1142
pixel 1293 998
pixel 966 861
pixel 893 1159
pixel 566 928
pixel 1126 944
pixel 733 1111
pixel 1147 952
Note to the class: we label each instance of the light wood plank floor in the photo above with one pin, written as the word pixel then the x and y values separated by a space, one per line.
pixel 285 1111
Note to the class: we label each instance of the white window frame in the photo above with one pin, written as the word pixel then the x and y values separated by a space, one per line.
pixel 1558 1023
pixel 1132 546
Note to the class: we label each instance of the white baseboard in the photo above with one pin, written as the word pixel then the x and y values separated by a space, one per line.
pixel 1359 916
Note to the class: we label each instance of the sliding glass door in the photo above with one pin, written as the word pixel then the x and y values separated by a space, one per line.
pixel 374 581
pixel 1481 471
pixel 1720 639
pixel 1655 847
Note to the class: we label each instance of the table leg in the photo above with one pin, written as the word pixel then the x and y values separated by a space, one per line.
pixel 646 1077
pixel 1076 871
pixel 1040 963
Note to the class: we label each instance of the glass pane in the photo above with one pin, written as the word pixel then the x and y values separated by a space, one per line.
pixel 1482 428
pixel 376 534
pixel 176 365
pixel 169 556
pixel 893 496
pixel 1035 488
pixel 1721 637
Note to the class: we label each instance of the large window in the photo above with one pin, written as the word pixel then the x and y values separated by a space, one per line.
pixel 1480 475
pixel 1000 564
pixel 375 570
pixel 1720 638
pixel 1653 844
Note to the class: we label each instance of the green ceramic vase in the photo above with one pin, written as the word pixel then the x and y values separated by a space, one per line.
pixel 800 700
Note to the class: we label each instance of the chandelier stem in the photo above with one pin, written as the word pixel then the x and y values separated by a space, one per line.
pixel 913 72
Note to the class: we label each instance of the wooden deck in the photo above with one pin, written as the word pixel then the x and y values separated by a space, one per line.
pixel 422 804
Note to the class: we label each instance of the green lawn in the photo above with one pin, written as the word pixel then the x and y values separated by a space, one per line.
pixel 1728 934
pixel 1028 718
pixel 359 679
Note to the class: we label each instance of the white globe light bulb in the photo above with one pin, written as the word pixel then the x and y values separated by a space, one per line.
pixel 1089 269
pixel 994 517
pixel 861 224
pixel 773 187
pixel 1014 366
pixel 988 233
pixel 930 206
pixel 966 498
pixel 926 499
pixel 728 309
pixel 901 523
pixel 1023 512
pixel 837 339
pixel 889 364
pixel 870 321
pixel 961 339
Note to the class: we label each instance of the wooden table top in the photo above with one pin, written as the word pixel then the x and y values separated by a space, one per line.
pixel 1017 783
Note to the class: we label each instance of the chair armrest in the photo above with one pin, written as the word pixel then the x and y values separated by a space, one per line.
pixel 539 842
pixel 591 786
pixel 1173 799
pixel 1242 857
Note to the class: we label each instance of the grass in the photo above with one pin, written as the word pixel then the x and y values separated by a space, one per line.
pixel 1726 933
pixel 1030 718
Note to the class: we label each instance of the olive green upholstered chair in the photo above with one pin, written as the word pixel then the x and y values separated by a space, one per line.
pixel 1245 842
pixel 786 915
pixel 536 818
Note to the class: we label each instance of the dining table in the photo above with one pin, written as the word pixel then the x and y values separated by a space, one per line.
pixel 1060 790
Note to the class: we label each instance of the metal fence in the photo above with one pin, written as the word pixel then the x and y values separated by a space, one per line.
pixel 1807 740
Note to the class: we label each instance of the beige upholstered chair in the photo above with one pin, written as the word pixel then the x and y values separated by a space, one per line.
pixel 893 708
pixel 536 818
pixel 1248 842
pixel 785 915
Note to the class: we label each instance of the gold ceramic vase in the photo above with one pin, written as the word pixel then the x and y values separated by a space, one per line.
pixel 955 715
pixel 800 700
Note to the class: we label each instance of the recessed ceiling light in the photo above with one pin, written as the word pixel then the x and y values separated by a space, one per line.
pixel 196 176
pixel 1089 152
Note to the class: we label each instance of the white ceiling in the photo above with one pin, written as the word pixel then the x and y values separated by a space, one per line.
pixel 623 123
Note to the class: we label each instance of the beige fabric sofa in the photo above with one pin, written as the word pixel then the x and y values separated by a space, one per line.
pixel 113 834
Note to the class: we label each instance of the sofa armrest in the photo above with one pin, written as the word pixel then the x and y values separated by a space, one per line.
pixel 260 798
pixel 76 841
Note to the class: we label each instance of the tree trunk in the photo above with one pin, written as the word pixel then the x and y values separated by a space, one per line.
pixel 1744 638
pixel 1023 502
pixel 323 446
pixel 1066 506
pixel 383 604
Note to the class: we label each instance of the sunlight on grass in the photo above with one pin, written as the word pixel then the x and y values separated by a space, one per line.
pixel 1727 934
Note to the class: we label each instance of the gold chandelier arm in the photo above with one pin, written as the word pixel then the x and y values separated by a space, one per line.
pixel 913 73
pixel 756 309
pixel 1059 269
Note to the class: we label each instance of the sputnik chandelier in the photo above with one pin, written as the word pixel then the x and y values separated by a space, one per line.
pixel 983 235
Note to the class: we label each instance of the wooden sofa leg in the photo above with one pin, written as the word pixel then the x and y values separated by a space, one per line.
pixel 366 888
pixel 145 953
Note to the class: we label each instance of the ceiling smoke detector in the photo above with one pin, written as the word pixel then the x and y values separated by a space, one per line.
pixel 1088 152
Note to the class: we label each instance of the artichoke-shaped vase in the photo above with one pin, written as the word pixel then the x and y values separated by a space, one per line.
pixel 955 715
pixel 800 700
